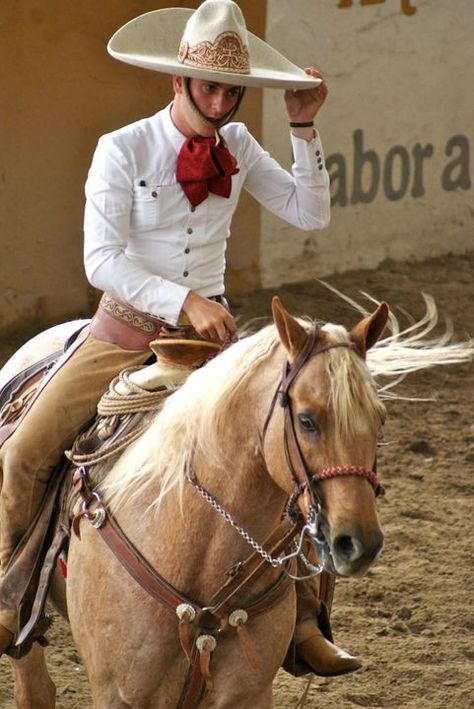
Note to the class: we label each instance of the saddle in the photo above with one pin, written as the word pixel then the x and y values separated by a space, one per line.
pixel 123 414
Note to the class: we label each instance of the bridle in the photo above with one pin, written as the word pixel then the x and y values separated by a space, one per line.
pixel 303 479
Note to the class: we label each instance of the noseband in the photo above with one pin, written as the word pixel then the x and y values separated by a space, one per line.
pixel 302 477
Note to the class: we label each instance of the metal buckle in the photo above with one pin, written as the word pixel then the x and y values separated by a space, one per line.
pixel 98 516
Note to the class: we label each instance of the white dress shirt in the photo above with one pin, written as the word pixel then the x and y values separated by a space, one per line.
pixel 145 244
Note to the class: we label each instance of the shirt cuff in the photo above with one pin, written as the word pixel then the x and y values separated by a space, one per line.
pixel 309 154
pixel 170 303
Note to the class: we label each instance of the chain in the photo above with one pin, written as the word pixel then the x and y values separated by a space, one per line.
pixel 273 561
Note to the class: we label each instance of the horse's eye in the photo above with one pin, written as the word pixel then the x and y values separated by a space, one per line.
pixel 308 423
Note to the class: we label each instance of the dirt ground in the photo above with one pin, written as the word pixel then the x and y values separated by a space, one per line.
pixel 411 619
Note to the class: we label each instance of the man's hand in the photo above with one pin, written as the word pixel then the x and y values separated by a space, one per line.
pixel 303 105
pixel 210 319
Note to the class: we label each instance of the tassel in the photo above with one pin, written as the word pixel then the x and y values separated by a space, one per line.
pixel 247 647
pixel 206 644
pixel 184 637
pixel 76 525
pixel 238 619
pixel 186 615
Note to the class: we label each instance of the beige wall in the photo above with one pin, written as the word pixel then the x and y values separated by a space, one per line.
pixel 397 131
pixel 60 92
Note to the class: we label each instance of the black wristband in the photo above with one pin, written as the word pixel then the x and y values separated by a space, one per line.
pixel 295 124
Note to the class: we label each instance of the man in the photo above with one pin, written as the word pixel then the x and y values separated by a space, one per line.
pixel 160 197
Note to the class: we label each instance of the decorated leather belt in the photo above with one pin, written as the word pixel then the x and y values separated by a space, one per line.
pixel 121 324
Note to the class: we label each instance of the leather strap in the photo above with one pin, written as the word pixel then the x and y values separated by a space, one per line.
pixel 207 619
pixel 7 430
pixel 19 583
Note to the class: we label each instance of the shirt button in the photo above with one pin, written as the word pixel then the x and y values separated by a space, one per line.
pixel 193 209
pixel 318 152
pixel 189 230
pixel 154 194
pixel 320 167
pixel 319 160
pixel 186 273
pixel 187 250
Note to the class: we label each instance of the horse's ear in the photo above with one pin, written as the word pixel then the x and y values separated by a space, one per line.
pixel 292 335
pixel 185 353
pixel 366 333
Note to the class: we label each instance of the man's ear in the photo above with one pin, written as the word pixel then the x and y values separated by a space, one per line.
pixel 177 84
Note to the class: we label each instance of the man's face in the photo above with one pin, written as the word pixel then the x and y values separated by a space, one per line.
pixel 213 99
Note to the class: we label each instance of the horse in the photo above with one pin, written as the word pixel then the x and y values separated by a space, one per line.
pixel 282 424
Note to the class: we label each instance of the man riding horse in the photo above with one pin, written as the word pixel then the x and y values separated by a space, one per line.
pixel 160 197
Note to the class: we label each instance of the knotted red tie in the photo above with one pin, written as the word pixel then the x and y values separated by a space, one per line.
pixel 205 166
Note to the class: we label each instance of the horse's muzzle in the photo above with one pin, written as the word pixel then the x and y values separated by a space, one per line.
pixel 348 553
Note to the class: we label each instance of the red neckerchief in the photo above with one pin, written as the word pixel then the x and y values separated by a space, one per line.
pixel 205 166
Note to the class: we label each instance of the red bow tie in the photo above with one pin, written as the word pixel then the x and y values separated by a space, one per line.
pixel 204 166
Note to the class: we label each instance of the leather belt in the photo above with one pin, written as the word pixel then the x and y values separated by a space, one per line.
pixel 121 324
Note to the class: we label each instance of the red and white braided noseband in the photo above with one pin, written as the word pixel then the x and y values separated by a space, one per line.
pixel 336 470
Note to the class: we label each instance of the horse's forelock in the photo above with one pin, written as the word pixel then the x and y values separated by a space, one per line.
pixel 353 393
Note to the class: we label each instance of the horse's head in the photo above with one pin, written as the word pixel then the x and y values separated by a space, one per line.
pixel 332 421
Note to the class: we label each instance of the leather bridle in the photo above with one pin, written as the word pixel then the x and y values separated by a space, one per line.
pixel 303 479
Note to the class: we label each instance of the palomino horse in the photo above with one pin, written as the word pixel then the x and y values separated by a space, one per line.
pixel 288 420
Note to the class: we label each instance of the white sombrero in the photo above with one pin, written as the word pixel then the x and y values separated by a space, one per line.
pixel 210 43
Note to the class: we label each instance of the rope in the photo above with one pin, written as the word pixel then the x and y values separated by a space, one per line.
pixel 136 399
pixel 113 405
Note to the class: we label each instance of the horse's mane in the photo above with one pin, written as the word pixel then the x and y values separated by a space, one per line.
pixel 194 416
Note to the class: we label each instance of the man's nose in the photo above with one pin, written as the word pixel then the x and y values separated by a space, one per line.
pixel 218 103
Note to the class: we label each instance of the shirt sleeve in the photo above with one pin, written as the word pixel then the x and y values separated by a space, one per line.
pixel 109 196
pixel 302 197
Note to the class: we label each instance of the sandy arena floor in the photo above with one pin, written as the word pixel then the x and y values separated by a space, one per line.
pixel 411 619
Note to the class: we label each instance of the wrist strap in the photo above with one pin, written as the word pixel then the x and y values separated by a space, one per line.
pixel 296 124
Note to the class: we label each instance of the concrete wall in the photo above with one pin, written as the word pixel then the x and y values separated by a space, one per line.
pixel 397 131
pixel 60 92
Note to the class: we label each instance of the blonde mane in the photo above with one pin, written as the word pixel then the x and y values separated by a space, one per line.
pixel 193 417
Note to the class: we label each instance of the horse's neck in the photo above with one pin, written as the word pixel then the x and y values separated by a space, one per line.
pixel 191 545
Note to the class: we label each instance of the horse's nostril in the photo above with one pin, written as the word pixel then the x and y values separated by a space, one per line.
pixel 344 546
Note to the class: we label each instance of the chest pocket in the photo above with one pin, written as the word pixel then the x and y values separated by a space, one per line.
pixel 157 202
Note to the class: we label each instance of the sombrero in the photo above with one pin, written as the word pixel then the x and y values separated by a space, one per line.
pixel 210 43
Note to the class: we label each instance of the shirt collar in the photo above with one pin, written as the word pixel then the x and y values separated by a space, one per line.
pixel 175 136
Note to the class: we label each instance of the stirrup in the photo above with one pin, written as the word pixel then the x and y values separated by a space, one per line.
pixel 16 652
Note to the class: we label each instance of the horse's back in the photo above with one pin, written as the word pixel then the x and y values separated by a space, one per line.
pixel 40 346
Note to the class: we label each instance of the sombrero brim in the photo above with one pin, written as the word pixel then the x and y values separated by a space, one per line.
pixel 152 41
